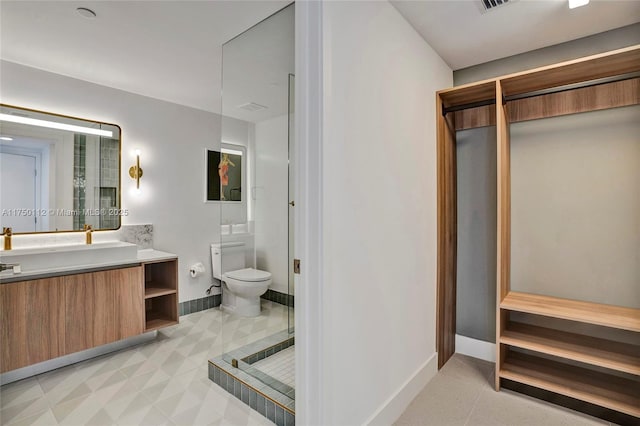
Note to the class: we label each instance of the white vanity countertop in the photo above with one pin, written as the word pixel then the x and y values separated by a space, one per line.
pixel 144 256
pixel 151 255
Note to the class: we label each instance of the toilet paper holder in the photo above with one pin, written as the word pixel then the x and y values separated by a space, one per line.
pixel 196 270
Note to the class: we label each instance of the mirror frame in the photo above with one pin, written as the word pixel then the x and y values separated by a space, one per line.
pixel 119 167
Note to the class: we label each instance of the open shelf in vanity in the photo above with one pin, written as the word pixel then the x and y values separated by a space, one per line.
pixel 160 294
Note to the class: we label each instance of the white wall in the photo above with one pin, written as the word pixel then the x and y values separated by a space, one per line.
pixel 573 49
pixel 379 211
pixel 272 196
pixel 172 139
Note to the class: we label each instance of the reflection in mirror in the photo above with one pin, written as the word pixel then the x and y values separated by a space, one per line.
pixel 225 173
pixel 57 173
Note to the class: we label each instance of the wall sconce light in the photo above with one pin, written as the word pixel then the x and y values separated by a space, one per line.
pixel 135 171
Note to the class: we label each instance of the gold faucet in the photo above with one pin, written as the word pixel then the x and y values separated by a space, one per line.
pixel 7 233
pixel 88 230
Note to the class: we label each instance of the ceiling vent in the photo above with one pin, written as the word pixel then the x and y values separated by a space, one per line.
pixel 252 107
pixel 488 5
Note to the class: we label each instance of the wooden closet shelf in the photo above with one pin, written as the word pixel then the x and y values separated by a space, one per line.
pixel 618 356
pixel 602 65
pixel 587 312
pixel 469 93
pixel 602 389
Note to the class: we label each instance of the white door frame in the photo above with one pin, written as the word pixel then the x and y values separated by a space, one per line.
pixel 308 212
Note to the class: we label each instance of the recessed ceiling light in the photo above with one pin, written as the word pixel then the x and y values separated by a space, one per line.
pixel 87 13
pixel 577 3
pixel 5 138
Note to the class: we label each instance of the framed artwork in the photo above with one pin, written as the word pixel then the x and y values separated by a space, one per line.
pixel 224 177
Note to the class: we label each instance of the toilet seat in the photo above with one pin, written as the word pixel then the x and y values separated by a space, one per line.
pixel 249 275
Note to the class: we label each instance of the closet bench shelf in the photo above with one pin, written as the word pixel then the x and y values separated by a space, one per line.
pixel 573 310
pixel 618 356
pixel 602 389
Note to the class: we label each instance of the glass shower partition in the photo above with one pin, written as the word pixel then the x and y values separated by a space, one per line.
pixel 256 202
pixel 292 204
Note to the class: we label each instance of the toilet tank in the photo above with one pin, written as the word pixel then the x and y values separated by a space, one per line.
pixel 226 257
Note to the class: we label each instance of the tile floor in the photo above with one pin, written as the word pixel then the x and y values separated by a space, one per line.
pixel 462 394
pixel 164 382
pixel 280 366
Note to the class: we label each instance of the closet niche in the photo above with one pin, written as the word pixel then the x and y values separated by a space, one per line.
pixel 566 224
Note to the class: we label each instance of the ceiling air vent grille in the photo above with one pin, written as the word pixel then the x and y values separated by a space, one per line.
pixel 252 106
pixel 492 4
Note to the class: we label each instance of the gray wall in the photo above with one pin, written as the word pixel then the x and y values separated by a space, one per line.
pixel 476 285
pixel 598 43
pixel 575 206
pixel 476 274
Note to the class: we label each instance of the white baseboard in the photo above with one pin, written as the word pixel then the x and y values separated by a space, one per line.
pixel 393 407
pixel 476 348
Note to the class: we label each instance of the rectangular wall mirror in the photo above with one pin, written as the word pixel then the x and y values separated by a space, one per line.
pixel 58 173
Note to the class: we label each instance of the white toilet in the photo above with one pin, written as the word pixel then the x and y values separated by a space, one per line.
pixel 241 287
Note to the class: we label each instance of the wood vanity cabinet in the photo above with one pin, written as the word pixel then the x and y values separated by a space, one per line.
pixel 42 319
pixel 32 314
pixel 102 307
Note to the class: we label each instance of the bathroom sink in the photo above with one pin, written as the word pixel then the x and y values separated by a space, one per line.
pixel 56 257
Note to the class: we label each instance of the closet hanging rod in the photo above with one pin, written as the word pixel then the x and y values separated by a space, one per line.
pixel 446 110
pixel 566 87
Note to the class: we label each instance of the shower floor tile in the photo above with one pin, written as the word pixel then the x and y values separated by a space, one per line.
pixel 280 366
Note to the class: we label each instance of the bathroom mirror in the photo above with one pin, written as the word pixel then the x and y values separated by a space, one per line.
pixel 58 173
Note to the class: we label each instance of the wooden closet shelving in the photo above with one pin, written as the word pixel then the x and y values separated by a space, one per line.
pixel 606 390
pixel 573 310
pixel 585 367
pixel 596 351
